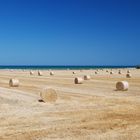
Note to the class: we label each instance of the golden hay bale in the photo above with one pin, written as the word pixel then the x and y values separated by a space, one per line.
pixel 128 71
pixel 96 72
pixel 40 73
pixel 123 85
pixel 31 73
pixel 87 77
pixel 51 73
pixel 78 80
pixel 111 72
pixel 48 95
pixel 128 75
pixel 119 72
pixel 74 72
pixel 13 82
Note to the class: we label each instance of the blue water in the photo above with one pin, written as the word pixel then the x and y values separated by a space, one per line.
pixel 63 67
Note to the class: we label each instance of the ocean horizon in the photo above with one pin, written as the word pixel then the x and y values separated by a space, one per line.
pixel 62 67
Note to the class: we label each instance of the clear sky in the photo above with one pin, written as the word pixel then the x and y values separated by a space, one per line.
pixel 69 32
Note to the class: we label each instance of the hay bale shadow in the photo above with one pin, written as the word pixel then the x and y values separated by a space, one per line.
pixel 40 100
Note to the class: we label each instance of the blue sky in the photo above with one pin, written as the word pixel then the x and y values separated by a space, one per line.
pixel 69 32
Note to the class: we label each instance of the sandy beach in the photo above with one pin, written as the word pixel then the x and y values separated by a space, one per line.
pixel 93 110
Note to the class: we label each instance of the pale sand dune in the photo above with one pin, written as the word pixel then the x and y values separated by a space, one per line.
pixel 93 110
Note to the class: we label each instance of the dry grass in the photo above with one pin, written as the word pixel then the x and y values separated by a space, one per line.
pixel 90 111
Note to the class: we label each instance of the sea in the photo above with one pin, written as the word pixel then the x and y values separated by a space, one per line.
pixel 48 67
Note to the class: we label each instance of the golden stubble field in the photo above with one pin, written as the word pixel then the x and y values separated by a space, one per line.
pixel 93 110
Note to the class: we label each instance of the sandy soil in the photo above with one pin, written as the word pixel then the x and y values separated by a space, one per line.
pixel 93 110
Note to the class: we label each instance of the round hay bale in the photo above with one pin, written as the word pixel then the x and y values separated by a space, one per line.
pixel 96 72
pixel 40 73
pixel 128 75
pixel 74 72
pixel 13 82
pixel 51 73
pixel 123 85
pixel 31 73
pixel 48 95
pixel 78 80
pixel 128 71
pixel 87 77
pixel 111 72
pixel 119 72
